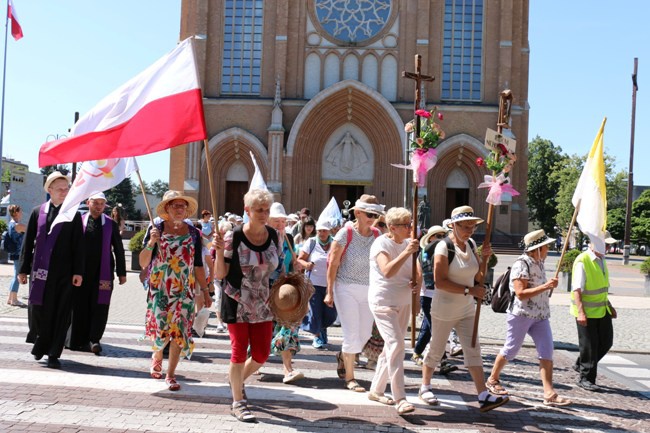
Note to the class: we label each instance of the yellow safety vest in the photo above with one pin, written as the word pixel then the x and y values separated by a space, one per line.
pixel 594 294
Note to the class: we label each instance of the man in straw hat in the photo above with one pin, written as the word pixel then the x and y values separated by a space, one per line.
pixel 104 254
pixel 529 314
pixel 453 306
pixel 592 309
pixel 55 260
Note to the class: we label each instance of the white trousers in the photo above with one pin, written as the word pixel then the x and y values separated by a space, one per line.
pixel 351 301
pixel 392 323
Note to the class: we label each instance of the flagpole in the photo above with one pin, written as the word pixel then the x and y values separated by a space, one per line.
pixel 144 195
pixel 213 193
pixel 566 239
pixel 4 77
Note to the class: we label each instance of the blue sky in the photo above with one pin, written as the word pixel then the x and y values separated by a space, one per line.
pixel 75 52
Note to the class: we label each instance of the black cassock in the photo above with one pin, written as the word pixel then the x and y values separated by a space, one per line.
pixel 48 323
pixel 88 317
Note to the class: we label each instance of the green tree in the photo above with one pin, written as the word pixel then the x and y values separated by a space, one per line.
pixel 49 169
pixel 159 188
pixel 122 194
pixel 543 156
pixel 640 221
pixel 616 222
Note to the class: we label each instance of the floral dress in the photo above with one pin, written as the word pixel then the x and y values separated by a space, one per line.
pixel 170 305
pixel 285 338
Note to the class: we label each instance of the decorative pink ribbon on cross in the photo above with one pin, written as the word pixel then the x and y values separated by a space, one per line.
pixel 422 161
pixel 498 185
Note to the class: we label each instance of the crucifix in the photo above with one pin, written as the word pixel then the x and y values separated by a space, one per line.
pixel 419 79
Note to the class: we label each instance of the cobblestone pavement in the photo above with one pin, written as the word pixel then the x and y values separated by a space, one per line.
pixel 113 393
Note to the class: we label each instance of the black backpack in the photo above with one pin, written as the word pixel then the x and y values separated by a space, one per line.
pixel 8 244
pixel 426 258
pixel 502 297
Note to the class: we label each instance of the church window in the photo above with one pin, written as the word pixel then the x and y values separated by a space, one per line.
pixel 462 52
pixel 241 70
pixel 352 21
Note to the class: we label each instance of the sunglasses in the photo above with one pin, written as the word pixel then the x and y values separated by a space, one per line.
pixel 371 215
pixel 381 224
pixel 407 225
pixel 438 236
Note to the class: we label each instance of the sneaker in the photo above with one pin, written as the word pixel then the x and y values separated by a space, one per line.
pixel 221 328
pixel 417 359
pixel 292 376
pixel 317 343
pixel 586 385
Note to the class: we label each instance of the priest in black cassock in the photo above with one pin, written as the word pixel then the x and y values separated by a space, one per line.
pixel 104 255
pixel 55 262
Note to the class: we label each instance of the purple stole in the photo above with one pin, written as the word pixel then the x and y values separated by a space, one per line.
pixel 105 274
pixel 42 254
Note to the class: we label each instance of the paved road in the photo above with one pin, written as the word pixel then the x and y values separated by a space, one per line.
pixel 114 393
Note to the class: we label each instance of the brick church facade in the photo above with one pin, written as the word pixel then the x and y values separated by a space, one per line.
pixel 315 92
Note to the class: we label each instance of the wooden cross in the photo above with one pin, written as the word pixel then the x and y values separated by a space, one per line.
pixel 418 78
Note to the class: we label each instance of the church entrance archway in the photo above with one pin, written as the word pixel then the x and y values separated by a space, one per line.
pixel 457 191
pixel 346 192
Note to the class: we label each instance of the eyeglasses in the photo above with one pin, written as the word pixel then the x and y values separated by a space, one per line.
pixel 381 225
pixel 438 236
pixel 177 206
pixel 407 225
pixel 371 215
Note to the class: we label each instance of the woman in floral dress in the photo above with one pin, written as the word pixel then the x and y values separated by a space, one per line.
pixel 173 253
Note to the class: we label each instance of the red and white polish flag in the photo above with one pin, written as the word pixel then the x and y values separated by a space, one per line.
pixel 16 30
pixel 158 109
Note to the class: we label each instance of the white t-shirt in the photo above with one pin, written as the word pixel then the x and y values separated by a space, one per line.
pixel 453 306
pixel 354 264
pixel 393 291
pixel 318 275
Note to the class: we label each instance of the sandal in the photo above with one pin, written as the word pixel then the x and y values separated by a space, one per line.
pixel 172 385
pixel 427 396
pixel 404 407
pixel 156 368
pixel 494 386
pixel 492 402
pixel 241 411
pixel 374 396
pixel 556 400
pixel 353 385
pixel 340 366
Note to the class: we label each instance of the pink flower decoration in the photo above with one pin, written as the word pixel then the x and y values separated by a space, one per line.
pixel 419 141
pixel 440 116
pixel 423 113
pixel 408 127
pixel 480 162
pixel 503 149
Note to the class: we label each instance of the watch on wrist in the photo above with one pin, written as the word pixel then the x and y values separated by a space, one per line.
pixel 466 290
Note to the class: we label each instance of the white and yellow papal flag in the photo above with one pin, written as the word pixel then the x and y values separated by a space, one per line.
pixel 591 195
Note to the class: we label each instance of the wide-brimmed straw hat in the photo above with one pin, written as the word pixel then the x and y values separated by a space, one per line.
pixel 369 203
pixel 289 299
pixel 277 211
pixel 434 230
pixel 464 213
pixel 52 177
pixel 536 239
pixel 172 195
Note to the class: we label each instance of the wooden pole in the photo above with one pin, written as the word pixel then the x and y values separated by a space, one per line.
pixel 144 196
pixel 566 240
pixel 213 193
pixel 505 103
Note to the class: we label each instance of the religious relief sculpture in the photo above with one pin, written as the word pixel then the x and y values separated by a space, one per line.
pixel 353 21
pixel 348 155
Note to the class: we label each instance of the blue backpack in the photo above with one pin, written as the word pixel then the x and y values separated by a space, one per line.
pixel 8 244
